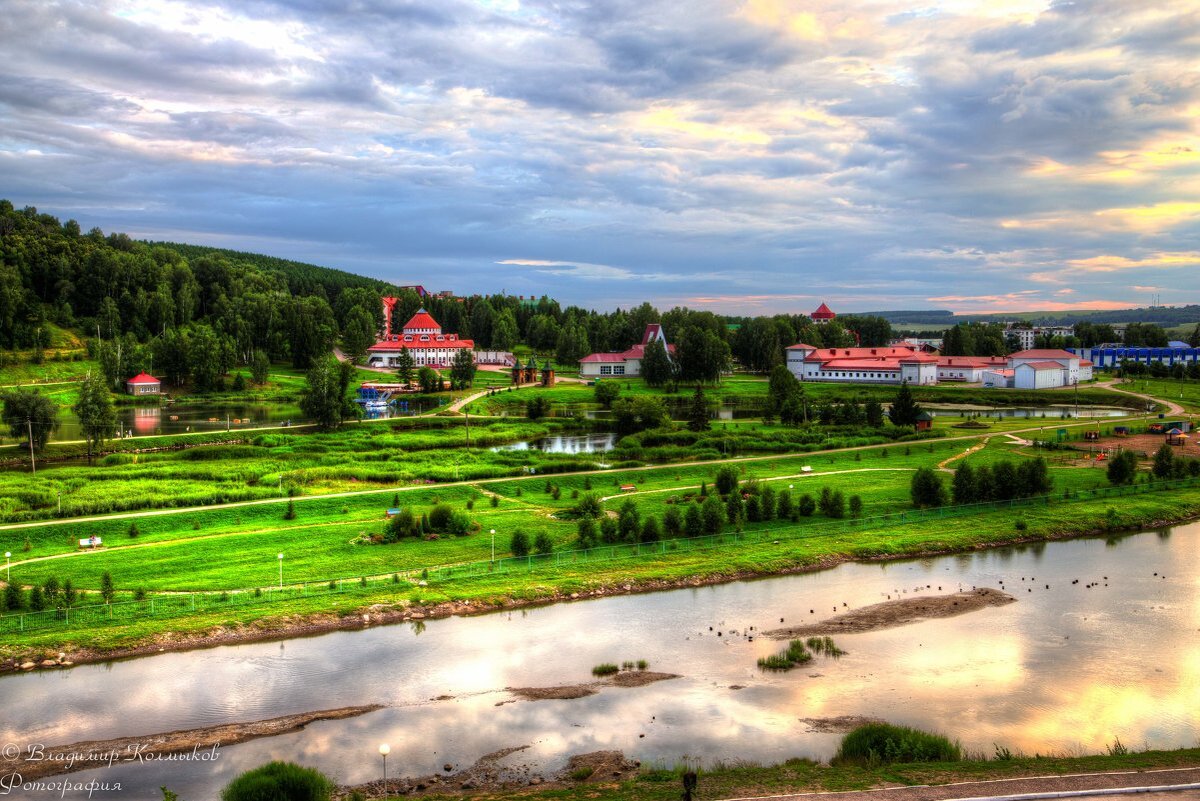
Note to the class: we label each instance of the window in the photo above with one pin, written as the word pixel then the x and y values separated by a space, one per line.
pixel 619 369
pixel 606 369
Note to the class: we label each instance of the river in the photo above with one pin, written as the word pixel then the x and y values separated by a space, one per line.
pixel 1066 669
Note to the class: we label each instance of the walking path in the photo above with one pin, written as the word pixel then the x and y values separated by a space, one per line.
pixel 1173 408
pixel 1183 781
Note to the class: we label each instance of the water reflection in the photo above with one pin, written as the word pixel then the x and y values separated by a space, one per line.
pixel 1070 666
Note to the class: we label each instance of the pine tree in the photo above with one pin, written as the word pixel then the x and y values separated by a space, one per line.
pixel 904 410
pixel 405 365
pixel 106 587
pixel 698 418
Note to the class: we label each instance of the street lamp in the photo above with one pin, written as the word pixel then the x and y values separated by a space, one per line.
pixel 281 571
pixel 8 566
pixel 384 750
pixel 493 545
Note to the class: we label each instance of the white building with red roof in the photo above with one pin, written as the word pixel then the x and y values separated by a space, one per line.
pixel 1046 368
pixel 887 365
pixel 968 369
pixel 822 315
pixel 423 337
pixel 143 384
pixel 626 363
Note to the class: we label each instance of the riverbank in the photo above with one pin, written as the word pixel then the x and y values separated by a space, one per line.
pixel 672 570
pixel 614 778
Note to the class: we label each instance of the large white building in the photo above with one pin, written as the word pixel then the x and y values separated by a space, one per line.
pixel 626 363
pixel 1046 369
pixel 423 337
pixel 888 365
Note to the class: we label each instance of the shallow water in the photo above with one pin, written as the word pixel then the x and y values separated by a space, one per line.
pixel 1065 669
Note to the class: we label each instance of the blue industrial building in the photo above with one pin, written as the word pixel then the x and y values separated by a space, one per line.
pixel 1107 357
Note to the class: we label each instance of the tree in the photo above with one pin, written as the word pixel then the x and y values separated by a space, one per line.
pixel 1164 461
pixel 97 419
pixel 856 506
pixel 904 410
pixel 631 415
pixel 713 513
pixel 462 369
pixel 519 544
pixel 107 592
pixel 726 480
pixel 964 488
pixel 587 532
pixel 14 598
pixel 542 544
pixel 606 392
pixel 656 363
pixel 30 416
pixel 428 380
pixel 208 356
pixel 312 330
pixel 698 417
pixel 405 365
pixel 260 367
pixel 325 398
pixel 673 521
pixel 927 489
pixel 693 521
pixel 873 411
pixel 735 509
pixel 537 407
pixel 1122 468
pixel 806 506
pixel 572 343
pixel 358 333
pixel 171 357
pixel 651 532
pixel 702 354
pixel 504 331
pixel 279 780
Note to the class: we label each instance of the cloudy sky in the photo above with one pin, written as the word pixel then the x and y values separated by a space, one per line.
pixel 747 157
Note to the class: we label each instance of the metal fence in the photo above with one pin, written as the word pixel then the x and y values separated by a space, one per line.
pixel 167 605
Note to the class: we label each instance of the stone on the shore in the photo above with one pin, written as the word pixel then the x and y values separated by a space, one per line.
pixel 447 767
pixel 28 666
pixel 49 663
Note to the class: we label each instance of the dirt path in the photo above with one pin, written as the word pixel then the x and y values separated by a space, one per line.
pixel 1173 408
pixel 794 477
pixel 889 614
pixel 945 463
pixel 200 742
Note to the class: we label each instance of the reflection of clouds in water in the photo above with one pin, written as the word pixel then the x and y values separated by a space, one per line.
pixel 1061 667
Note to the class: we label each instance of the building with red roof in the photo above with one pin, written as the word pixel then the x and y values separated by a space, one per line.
pixel 626 363
pixel 822 315
pixel 143 384
pixel 423 337
pixel 884 365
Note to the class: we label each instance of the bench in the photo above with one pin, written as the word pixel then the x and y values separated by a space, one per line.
pixel 806 469
pixel 628 488
pixel 91 542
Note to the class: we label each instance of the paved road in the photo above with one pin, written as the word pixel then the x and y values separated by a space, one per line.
pixel 1186 782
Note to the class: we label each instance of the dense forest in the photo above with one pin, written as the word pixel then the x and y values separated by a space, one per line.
pixel 195 312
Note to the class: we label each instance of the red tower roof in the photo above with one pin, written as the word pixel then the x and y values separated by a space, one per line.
pixel 422 321
pixel 823 312
pixel 143 378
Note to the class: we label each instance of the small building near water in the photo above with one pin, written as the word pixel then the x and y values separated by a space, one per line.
pixel 143 384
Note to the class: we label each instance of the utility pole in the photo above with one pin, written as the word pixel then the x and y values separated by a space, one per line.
pixel 32 460
pixel 468 414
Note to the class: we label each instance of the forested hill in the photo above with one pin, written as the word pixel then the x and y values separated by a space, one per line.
pixel 141 298
pixel 302 278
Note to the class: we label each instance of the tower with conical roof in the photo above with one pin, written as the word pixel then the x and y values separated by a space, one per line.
pixel 822 315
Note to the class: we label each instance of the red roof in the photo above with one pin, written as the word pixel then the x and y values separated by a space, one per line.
pixel 421 320
pixel 603 358
pixel 971 361
pixel 636 352
pixel 421 342
pixel 802 346
pixel 652 331
pixel 143 378
pixel 1044 353
pixel 826 354
pixel 885 365
pixel 823 312
pixel 922 358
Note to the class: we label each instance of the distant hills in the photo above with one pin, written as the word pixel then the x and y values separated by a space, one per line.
pixel 1166 316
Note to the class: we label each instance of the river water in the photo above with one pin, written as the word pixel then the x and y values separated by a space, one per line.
pixel 1067 668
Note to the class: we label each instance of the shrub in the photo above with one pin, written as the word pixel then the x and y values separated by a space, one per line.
pixel 133 530
pixel 139 594
pixel 439 517
pixel 495 501
pixel 588 506
pixel 520 544
pixel 290 514
pixel 605 669
pixel 542 544
pixel 726 480
pixel 806 505
pixel 880 743
pixel 279 781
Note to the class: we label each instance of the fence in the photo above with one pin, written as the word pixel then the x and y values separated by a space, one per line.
pixel 177 604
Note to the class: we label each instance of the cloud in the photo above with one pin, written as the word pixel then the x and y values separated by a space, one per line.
pixel 754 156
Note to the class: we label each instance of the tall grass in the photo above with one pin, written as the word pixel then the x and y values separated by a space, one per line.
pixel 882 743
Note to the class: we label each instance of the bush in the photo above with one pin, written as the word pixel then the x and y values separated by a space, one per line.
pixel 279 781
pixel 542 544
pixel 605 669
pixel 806 505
pixel 520 544
pixel 726 480
pixel 880 743
pixel 439 517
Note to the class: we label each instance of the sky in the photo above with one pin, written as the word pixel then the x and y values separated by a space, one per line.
pixel 745 157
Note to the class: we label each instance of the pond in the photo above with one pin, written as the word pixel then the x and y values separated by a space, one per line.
pixel 1102 643
pixel 585 443
pixel 1057 412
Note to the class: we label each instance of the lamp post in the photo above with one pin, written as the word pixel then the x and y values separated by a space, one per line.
pixel 384 750
pixel 8 566
pixel 280 571
pixel 493 545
